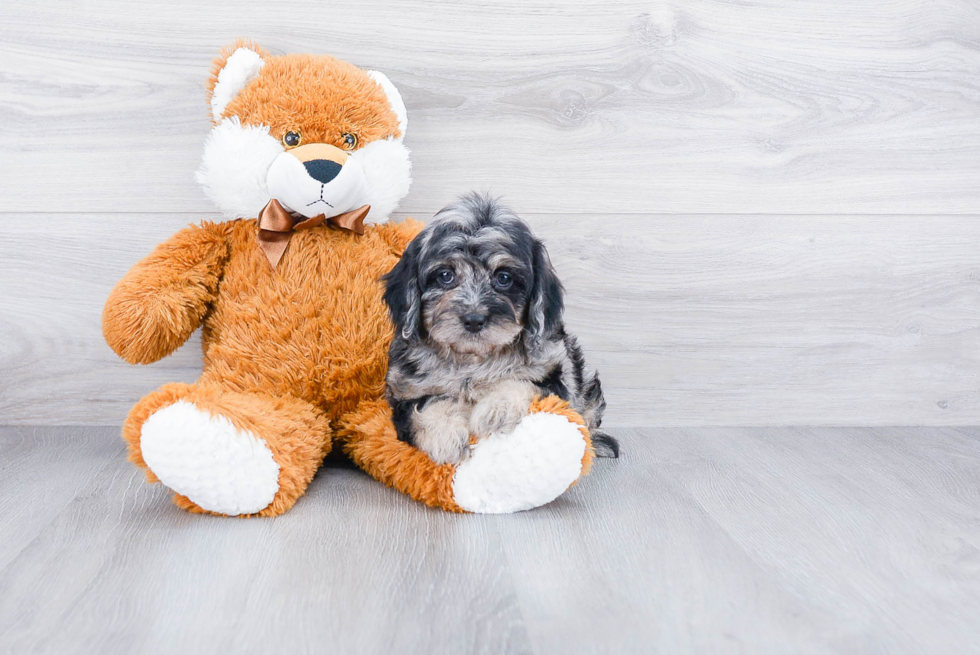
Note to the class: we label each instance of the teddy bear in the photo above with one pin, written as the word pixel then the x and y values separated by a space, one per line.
pixel 306 161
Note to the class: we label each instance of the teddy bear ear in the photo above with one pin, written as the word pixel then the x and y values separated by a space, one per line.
pixel 394 99
pixel 236 66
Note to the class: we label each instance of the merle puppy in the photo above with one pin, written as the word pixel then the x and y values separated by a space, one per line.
pixel 477 309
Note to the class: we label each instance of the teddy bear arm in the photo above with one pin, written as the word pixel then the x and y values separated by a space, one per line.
pixel 548 452
pixel 159 303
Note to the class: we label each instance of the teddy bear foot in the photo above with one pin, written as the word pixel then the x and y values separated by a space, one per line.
pixel 207 459
pixel 529 467
pixel 548 452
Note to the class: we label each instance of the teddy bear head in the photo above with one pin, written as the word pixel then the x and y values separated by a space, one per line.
pixel 317 134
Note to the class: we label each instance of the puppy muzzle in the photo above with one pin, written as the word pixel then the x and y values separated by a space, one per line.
pixel 315 179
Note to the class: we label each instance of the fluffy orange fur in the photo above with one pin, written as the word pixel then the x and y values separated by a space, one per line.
pixel 222 59
pixel 296 355
pixel 318 96
pixel 296 431
pixel 286 351
pixel 371 442
pixel 373 445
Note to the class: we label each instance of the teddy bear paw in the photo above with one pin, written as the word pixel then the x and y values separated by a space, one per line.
pixel 522 469
pixel 203 456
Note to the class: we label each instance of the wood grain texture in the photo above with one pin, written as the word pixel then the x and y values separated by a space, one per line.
pixel 355 568
pixel 646 106
pixel 691 320
pixel 761 540
pixel 721 540
pixel 765 212
pixel 884 502
pixel 41 474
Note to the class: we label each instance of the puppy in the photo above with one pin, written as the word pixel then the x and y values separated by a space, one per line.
pixel 477 309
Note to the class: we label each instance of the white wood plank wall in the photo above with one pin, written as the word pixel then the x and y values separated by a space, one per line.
pixel 765 212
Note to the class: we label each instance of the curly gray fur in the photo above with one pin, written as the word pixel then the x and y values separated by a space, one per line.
pixel 478 308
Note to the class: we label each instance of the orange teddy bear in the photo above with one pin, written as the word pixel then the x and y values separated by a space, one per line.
pixel 306 158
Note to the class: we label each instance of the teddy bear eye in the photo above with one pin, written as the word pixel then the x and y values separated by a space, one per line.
pixel 350 140
pixel 291 139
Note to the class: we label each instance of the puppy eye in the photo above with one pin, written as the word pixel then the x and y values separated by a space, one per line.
pixel 445 276
pixel 503 280
pixel 350 140
pixel 291 139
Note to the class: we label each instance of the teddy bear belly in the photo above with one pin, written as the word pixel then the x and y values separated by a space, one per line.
pixel 312 358
pixel 315 329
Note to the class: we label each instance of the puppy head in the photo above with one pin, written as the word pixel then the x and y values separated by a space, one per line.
pixel 474 281
pixel 317 134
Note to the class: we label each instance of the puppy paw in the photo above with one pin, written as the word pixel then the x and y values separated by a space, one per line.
pixel 450 447
pixel 442 431
pixel 502 409
pixel 489 417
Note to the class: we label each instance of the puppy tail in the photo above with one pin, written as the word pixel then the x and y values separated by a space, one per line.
pixel 604 444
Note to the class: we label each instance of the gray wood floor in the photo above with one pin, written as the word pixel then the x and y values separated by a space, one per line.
pixel 710 540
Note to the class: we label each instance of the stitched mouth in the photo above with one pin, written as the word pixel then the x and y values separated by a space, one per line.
pixel 322 186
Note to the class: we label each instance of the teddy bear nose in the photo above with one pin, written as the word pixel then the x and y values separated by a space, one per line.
pixel 322 170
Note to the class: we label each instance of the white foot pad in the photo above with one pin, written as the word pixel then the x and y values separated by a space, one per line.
pixel 207 459
pixel 526 468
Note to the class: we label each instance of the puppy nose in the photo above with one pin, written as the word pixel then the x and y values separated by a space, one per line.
pixel 322 170
pixel 474 322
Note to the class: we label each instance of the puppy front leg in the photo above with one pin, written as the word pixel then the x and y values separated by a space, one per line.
pixel 441 429
pixel 501 407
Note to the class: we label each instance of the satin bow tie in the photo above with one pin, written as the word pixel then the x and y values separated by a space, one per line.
pixel 276 226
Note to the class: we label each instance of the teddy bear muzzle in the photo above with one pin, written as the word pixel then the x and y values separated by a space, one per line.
pixel 317 178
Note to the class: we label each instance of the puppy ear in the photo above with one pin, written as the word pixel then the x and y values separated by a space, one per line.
pixel 546 299
pixel 402 293
pixel 236 66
